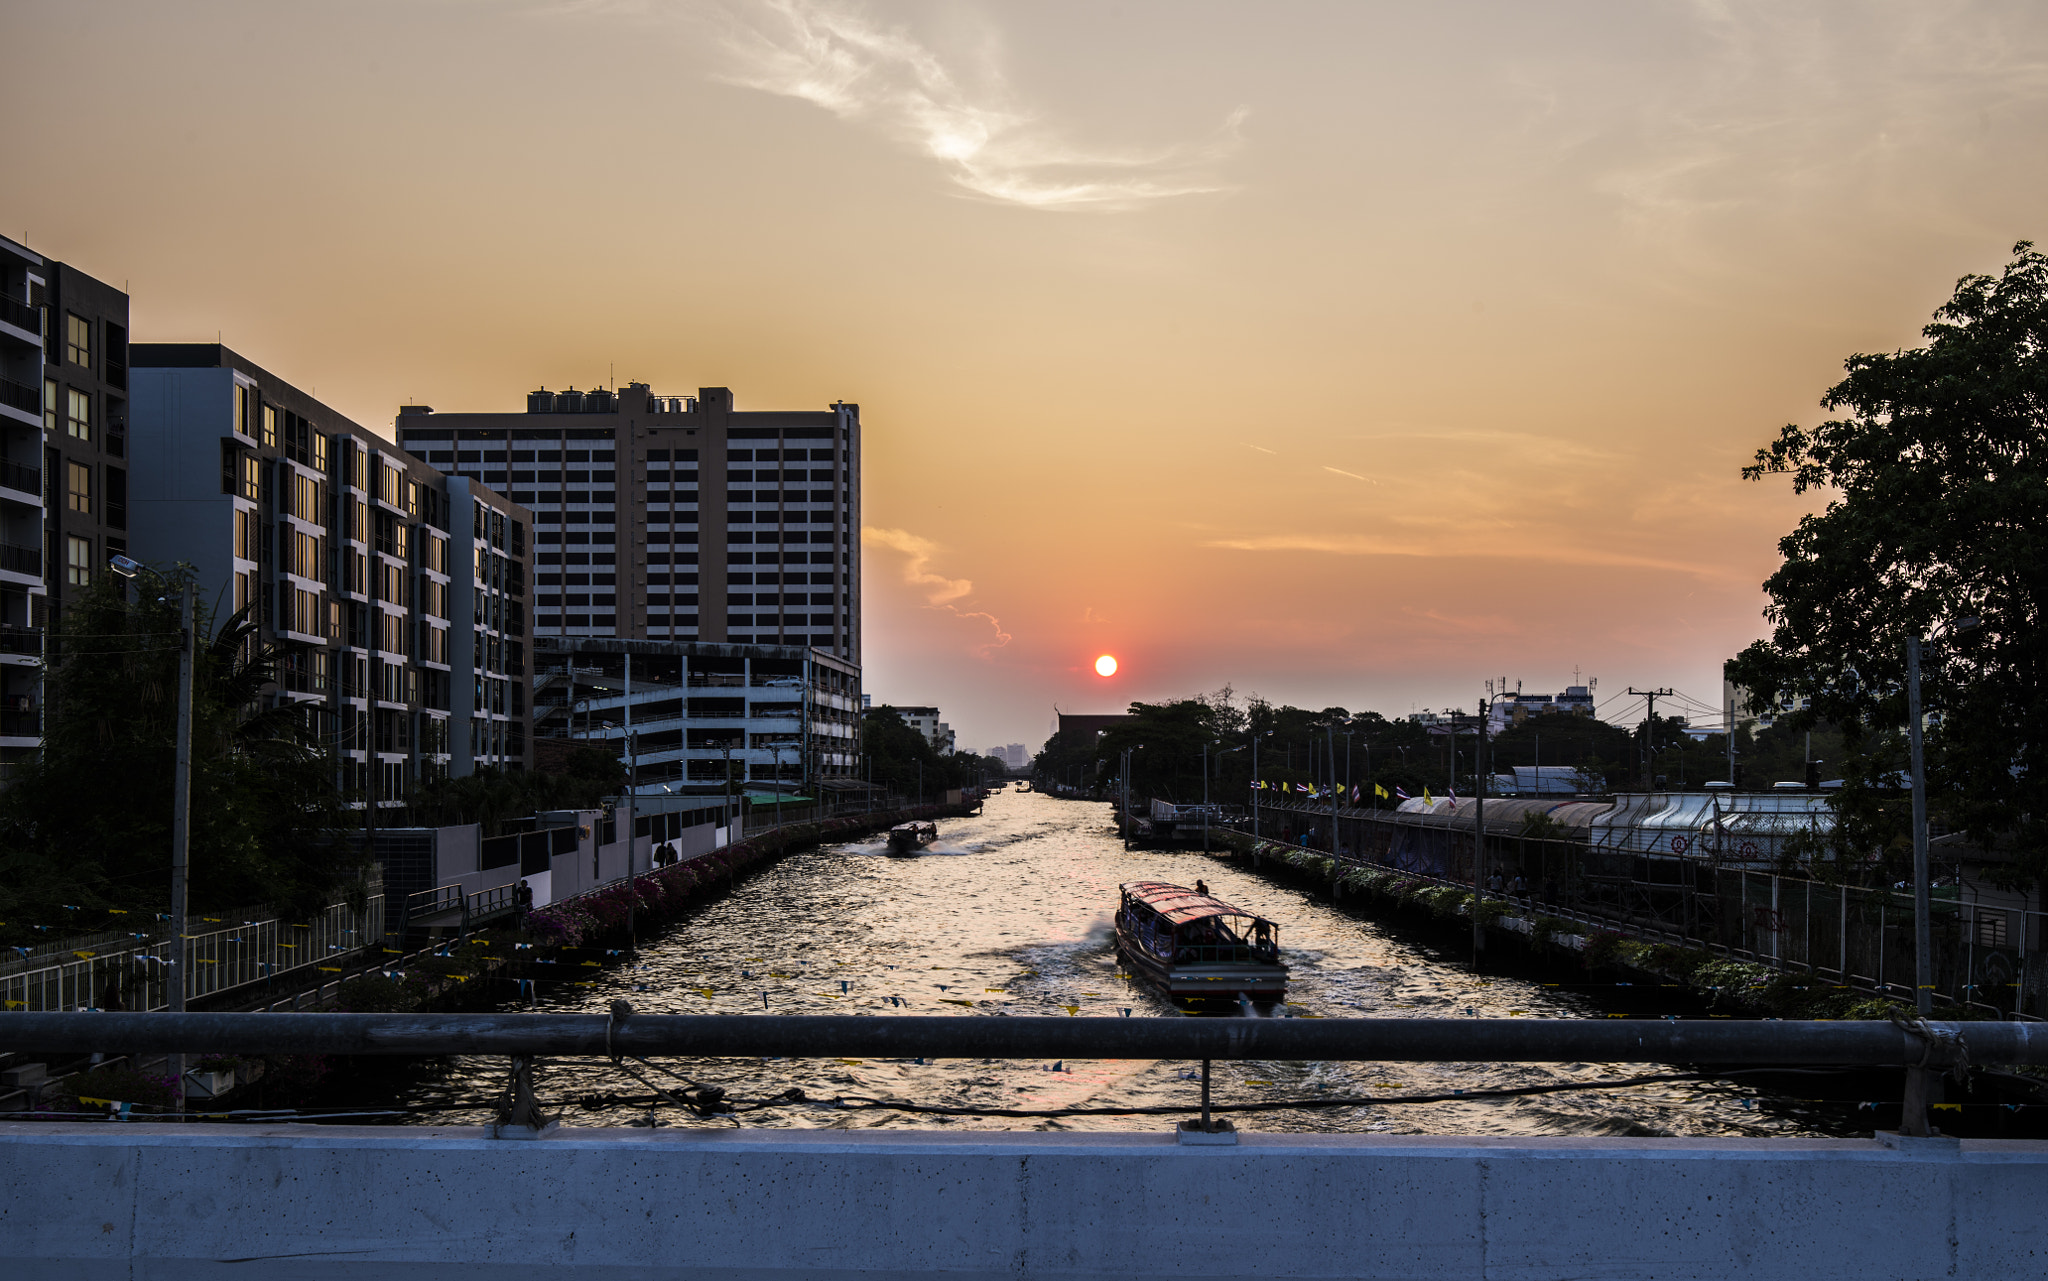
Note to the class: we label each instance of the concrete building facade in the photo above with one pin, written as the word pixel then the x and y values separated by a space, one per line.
pixel 686 716
pixel 399 594
pixel 674 518
pixel 24 606
pixel 925 720
pixel 63 464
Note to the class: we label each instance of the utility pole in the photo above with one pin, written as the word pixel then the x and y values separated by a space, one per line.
pixel 1731 739
pixel 1479 835
pixel 1649 731
pixel 181 823
pixel 1330 744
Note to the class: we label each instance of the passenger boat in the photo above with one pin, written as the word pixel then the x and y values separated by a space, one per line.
pixel 909 838
pixel 1197 945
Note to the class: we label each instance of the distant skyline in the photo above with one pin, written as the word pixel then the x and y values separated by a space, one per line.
pixel 1339 352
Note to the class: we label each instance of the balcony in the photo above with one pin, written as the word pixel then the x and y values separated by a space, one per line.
pixel 22 316
pixel 21 724
pixel 22 397
pixel 22 479
pixel 21 560
pixel 21 640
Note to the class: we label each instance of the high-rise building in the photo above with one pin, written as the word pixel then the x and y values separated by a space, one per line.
pixel 63 463
pixel 674 518
pixel 398 593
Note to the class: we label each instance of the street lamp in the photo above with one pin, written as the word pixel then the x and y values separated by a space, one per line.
pixel 1205 783
pixel 1255 739
pixel 181 797
pixel 1923 946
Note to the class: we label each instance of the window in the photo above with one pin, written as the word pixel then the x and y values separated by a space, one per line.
pixel 50 406
pixel 242 410
pixel 269 436
pixel 78 560
pixel 78 487
pixel 78 414
pixel 78 341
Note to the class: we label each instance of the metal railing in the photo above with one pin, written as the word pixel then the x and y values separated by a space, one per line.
pixel 21 560
pixel 139 971
pixel 1349 1040
pixel 21 478
pixel 22 316
pixel 21 640
pixel 14 395
pixel 1858 936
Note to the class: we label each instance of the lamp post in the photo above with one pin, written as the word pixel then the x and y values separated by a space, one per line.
pixel 1923 942
pixel 777 748
pixel 181 800
pixel 1256 740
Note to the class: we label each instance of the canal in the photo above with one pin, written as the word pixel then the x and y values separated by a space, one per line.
pixel 1009 914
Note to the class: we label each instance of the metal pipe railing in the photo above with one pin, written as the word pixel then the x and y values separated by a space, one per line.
pixel 1717 1041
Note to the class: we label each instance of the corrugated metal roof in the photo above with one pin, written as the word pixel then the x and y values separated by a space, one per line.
pixel 1179 904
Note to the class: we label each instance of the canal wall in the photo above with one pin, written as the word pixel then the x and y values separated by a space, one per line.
pixel 106 1201
pixel 1546 935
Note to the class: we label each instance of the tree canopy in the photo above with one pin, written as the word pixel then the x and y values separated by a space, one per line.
pixel 1937 471
pixel 85 826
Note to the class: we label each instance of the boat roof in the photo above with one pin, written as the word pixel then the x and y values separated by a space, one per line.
pixel 1179 904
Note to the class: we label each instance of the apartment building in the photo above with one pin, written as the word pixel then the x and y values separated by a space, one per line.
pixel 64 476
pixel 675 518
pixel 688 715
pixel 24 277
pixel 925 720
pixel 399 594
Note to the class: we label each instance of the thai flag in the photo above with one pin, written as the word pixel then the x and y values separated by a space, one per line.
pixel 1403 795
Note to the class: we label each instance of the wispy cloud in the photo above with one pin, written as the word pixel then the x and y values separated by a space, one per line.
pixel 1261 448
pixel 1352 474
pixel 1504 549
pixel 839 57
pixel 939 591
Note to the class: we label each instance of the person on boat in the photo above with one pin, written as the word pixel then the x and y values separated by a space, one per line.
pixel 1202 888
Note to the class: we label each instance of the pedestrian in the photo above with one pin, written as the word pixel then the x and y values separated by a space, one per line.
pixel 1520 889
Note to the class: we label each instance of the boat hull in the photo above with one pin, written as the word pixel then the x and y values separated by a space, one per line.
pixel 1255 980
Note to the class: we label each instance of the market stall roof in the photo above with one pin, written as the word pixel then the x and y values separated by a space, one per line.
pixel 774 798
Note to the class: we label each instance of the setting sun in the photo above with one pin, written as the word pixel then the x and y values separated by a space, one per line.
pixel 1105 666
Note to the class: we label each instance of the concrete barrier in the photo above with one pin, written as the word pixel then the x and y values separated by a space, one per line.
pixel 136 1200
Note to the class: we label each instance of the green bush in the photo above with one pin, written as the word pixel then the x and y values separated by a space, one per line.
pixel 1544 930
pixel 122 1084
pixel 1603 948
pixel 375 994
pixel 1489 911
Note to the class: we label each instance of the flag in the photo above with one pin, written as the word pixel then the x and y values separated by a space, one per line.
pixel 1397 792
pixel 1382 793
pixel 1427 799
pixel 1356 795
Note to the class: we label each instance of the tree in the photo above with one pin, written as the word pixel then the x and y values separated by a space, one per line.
pixel 1938 475
pixel 87 822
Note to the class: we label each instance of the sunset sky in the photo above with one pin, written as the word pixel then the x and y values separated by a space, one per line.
pixel 1341 352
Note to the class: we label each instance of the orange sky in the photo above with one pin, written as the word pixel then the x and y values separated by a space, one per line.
pixel 1346 353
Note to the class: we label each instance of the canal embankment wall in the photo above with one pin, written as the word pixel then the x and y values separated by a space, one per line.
pixel 106 1201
